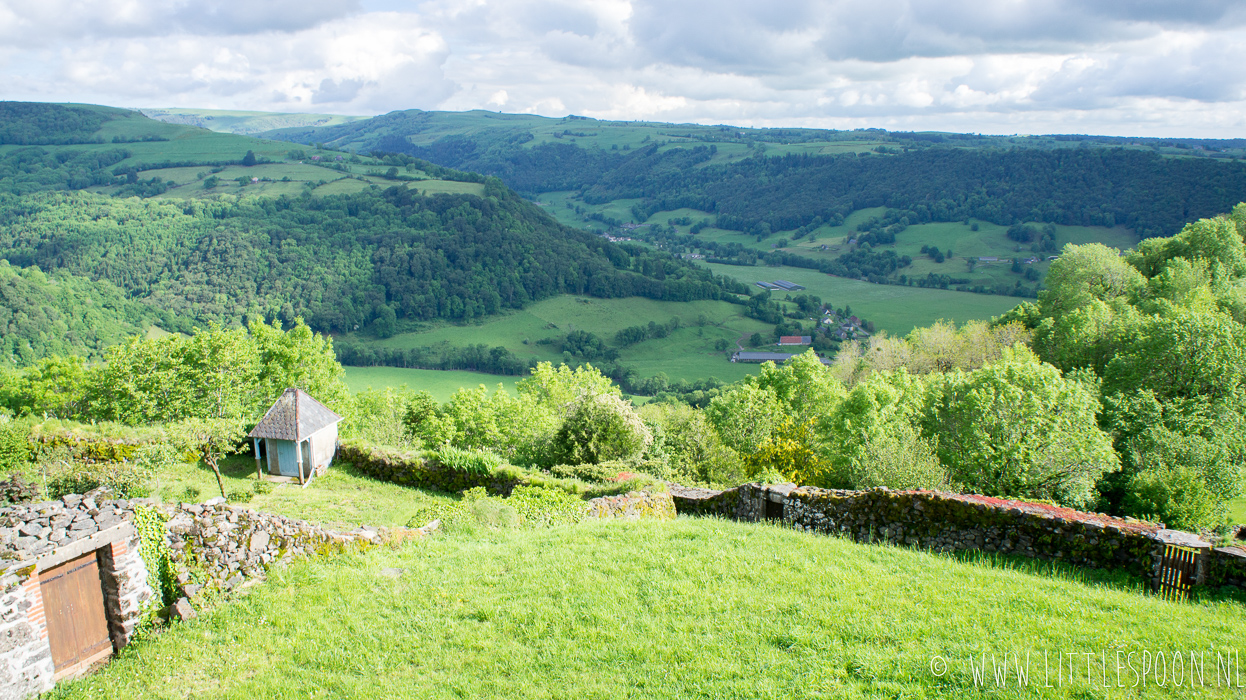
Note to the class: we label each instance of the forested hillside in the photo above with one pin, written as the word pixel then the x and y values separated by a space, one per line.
pixel 364 259
pixel 43 315
pixel 786 178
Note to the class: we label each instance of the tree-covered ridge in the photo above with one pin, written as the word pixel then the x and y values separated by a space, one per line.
pixel 1151 194
pixel 1070 180
pixel 60 314
pixel 36 123
pixel 342 262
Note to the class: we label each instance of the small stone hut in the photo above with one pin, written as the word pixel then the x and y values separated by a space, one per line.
pixel 296 438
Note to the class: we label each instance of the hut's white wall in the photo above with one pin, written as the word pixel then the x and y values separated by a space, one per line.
pixel 323 446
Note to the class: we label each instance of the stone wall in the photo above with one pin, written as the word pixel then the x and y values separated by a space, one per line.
pixel 953 522
pixel 222 547
pixel 1226 569
pixel 636 505
pixel 25 657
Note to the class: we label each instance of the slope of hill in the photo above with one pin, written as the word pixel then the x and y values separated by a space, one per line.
pixel 740 194
pixel 42 315
pixel 341 251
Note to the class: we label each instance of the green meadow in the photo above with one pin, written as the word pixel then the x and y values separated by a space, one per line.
pixel 536 332
pixel 440 383
pixel 692 608
pixel 893 308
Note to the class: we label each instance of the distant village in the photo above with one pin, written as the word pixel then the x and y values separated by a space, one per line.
pixel 834 325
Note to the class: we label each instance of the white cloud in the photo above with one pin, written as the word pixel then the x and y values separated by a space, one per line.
pixel 1104 66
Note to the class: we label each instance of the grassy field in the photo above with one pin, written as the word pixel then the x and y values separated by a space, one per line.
pixel 688 353
pixel 691 608
pixel 893 308
pixel 341 498
pixel 440 383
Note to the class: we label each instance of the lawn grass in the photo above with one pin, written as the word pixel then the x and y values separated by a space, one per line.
pixel 893 308
pixel 690 608
pixel 440 383
pixel 342 498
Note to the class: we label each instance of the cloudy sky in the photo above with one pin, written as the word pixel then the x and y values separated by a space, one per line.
pixel 1129 67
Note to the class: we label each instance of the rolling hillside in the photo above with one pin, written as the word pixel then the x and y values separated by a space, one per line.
pixel 201 227
pixel 765 195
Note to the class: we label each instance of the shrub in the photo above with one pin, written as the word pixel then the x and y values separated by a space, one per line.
pixel 468 461
pixel 14 444
pixel 16 490
pixel 121 479
pixel 1176 496
pixel 586 472
pixel 600 428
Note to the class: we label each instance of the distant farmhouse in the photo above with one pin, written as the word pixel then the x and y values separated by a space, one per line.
pixel 776 357
pixel 778 285
pixel 796 340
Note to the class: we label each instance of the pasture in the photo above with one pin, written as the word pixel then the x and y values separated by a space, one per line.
pixel 689 608
pixel 893 308
pixel 440 383
pixel 536 333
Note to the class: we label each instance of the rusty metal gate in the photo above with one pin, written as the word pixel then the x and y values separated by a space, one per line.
pixel 73 603
pixel 1178 571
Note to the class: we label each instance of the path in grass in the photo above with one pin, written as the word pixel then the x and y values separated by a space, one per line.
pixel 693 608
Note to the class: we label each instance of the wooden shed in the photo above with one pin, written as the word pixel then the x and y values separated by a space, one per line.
pixel 296 438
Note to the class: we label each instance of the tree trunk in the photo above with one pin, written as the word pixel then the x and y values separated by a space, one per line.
pixel 217 471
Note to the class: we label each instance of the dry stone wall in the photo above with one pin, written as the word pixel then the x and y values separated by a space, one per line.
pixel 954 522
pixel 222 547
pixel 409 469
pixel 636 505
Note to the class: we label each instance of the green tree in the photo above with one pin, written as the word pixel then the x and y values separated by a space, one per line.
pixel 600 428
pixel 1019 429
pixel 249 159
pixel 875 437
pixel 559 387
pixel 211 439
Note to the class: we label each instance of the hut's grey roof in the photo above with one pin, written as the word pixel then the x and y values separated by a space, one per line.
pixel 294 416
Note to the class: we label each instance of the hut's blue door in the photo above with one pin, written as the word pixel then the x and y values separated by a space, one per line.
pixel 282 451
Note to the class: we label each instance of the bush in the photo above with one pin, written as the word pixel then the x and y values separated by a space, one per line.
pixel 14 444
pixel 121 479
pixel 528 506
pixel 16 490
pixel 1176 496
pixel 585 472
pixel 600 428
pixel 469 461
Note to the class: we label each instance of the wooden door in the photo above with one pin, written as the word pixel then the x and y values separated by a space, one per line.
pixel 73 603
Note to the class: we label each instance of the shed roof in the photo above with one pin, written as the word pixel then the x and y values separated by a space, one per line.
pixel 294 416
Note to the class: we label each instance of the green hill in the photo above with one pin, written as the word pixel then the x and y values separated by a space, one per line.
pixel 243 122
pixel 785 196
pixel 43 315
pixel 349 243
